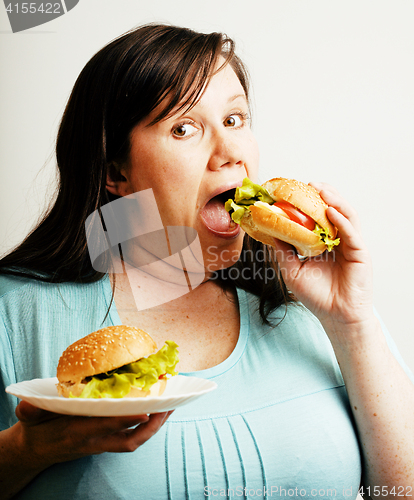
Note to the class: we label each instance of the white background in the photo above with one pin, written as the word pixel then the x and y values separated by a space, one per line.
pixel 333 99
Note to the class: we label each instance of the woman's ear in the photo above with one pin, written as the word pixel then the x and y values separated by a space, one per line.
pixel 116 181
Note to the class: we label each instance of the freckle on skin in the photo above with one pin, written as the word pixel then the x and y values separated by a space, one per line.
pixel 375 414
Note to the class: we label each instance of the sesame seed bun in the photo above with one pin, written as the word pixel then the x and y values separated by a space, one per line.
pixel 303 197
pixel 102 351
pixel 263 224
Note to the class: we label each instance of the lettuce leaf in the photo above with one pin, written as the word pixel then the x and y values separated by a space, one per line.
pixel 323 234
pixel 142 374
pixel 247 194
pixel 238 210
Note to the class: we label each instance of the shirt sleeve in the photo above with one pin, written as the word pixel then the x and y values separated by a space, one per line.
pixel 8 402
pixel 394 349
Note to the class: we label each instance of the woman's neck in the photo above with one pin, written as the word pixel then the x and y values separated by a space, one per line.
pixel 204 322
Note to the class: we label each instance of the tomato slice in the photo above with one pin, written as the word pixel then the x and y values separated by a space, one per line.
pixel 296 215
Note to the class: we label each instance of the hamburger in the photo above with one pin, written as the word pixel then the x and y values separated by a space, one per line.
pixel 285 209
pixel 116 362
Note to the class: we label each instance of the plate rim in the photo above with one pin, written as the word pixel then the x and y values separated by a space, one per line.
pixel 54 380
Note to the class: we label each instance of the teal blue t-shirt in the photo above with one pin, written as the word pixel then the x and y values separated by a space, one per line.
pixel 278 425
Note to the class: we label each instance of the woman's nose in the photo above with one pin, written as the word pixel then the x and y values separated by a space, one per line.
pixel 226 152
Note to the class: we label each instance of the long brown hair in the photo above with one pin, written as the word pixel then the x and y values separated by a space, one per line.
pixel 119 87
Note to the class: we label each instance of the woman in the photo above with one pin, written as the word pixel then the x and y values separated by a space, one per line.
pixel 166 109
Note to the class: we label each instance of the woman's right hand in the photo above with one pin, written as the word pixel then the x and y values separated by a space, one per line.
pixel 54 438
pixel 42 438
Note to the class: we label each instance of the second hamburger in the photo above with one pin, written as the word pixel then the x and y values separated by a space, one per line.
pixel 116 362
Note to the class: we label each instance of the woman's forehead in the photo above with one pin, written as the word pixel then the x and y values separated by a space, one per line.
pixel 223 81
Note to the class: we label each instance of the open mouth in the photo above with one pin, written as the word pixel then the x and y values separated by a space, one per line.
pixel 217 219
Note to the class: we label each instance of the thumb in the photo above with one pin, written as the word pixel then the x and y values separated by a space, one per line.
pixel 287 259
pixel 31 415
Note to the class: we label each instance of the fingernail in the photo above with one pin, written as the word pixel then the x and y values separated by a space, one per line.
pixel 140 418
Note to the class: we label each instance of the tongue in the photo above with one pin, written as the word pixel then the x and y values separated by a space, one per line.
pixel 216 217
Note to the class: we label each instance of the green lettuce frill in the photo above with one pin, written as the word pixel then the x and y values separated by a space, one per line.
pixel 247 194
pixel 323 235
pixel 142 374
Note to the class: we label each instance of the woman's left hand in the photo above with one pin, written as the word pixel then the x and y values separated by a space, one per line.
pixel 336 286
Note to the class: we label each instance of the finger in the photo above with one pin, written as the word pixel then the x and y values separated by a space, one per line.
pixel 32 415
pixel 288 261
pixel 319 186
pixel 130 440
pixel 102 426
pixel 155 422
pixel 348 233
pixel 332 198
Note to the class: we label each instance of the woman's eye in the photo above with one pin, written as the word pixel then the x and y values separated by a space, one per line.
pixel 184 130
pixel 235 121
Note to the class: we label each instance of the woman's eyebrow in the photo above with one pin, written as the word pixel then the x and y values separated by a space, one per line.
pixel 177 116
pixel 236 96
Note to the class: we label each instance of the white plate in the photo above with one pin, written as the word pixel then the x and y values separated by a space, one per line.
pixel 42 393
